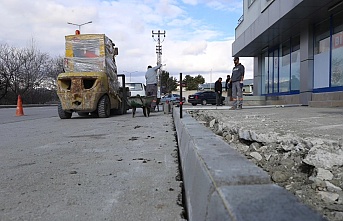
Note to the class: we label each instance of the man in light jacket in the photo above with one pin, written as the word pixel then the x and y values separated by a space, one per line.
pixel 151 83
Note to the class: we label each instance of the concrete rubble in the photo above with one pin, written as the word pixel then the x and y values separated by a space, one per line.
pixel 300 148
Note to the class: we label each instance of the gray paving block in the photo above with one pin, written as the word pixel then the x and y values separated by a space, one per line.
pixel 260 203
pixel 223 163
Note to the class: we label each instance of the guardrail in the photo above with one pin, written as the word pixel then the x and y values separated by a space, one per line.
pixel 240 20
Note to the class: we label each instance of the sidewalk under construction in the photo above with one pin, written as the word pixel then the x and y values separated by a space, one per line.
pixel 264 163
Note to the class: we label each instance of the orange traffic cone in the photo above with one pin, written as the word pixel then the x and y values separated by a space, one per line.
pixel 19 111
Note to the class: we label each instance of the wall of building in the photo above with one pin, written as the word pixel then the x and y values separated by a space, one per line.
pixel 257 19
pixel 254 11
pixel 294 66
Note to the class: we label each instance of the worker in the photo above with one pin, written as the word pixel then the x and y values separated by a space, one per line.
pixel 151 83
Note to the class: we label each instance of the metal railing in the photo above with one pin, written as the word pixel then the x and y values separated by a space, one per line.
pixel 240 20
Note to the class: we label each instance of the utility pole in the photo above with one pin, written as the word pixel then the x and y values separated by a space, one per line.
pixel 159 57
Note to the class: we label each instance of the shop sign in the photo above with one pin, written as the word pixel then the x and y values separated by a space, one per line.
pixel 337 40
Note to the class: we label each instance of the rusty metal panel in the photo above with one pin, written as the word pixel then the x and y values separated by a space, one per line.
pixel 78 98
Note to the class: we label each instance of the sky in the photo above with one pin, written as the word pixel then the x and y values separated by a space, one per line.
pixel 199 33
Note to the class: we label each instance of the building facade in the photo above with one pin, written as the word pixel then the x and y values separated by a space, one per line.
pixel 297 47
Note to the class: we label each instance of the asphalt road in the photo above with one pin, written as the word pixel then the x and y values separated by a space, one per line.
pixel 117 168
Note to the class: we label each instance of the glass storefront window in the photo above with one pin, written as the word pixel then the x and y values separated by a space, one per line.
pixel 321 55
pixel 281 68
pixel 295 64
pixel 276 72
pixel 322 37
pixel 284 67
pixel 270 73
pixel 337 52
pixel 295 71
pixel 264 80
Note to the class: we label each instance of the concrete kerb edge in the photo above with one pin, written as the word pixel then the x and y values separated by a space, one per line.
pixel 202 183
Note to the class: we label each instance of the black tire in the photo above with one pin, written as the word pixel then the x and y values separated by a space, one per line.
pixel 203 102
pixel 145 111
pixel 63 114
pixel 194 104
pixel 121 109
pixel 124 107
pixel 104 107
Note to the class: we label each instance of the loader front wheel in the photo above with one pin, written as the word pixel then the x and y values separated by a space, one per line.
pixel 63 114
pixel 104 107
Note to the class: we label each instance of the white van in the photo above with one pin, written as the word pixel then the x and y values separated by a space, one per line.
pixel 136 89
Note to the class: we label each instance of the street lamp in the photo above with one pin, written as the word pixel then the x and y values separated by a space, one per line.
pixel 69 23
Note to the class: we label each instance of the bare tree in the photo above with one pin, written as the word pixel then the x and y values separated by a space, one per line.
pixel 33 67
pixel 9 68
pixel 55 68
pixel 28 72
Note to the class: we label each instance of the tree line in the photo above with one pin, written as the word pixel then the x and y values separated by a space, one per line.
pixel 28 72
pixel 170 84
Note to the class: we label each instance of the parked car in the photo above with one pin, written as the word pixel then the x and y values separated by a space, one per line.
pixel 136 89
pixel 172 98
pixel 203 98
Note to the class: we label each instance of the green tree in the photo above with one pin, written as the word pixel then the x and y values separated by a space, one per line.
pixel 168 84
pixel 199 79
pixel 192 83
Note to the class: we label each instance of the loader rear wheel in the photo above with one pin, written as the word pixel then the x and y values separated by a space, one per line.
pixel 122 109
pixel 104 107
pixel 63 114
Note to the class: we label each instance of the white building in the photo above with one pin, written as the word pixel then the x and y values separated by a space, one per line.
pixel 297 47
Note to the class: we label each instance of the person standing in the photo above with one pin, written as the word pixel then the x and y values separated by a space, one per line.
pixel 237 84
pixel 228 87
pixel 218 88
pixel 151 83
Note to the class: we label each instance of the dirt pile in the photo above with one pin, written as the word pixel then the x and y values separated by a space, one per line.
pixel 306 162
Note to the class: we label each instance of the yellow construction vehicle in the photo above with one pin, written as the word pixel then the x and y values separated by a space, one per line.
pixel 89 85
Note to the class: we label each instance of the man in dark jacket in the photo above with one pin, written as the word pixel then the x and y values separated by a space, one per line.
pixel 218 88
pixel 237 82
pixel 228 87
